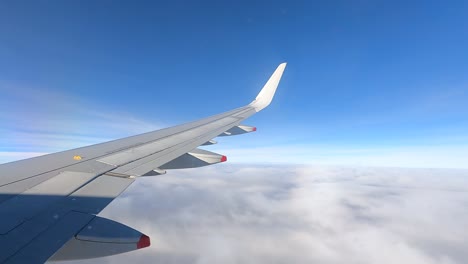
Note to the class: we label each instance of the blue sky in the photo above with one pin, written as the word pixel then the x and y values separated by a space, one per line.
pixel 367 83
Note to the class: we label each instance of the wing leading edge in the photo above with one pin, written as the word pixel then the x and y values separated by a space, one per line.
pixel 48 204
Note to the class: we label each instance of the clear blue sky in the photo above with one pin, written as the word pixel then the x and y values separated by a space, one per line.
pixel 379 80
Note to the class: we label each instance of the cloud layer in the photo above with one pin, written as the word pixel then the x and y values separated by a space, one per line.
pixel 297 214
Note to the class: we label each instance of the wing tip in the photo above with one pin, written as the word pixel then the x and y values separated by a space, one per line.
pixel 268 91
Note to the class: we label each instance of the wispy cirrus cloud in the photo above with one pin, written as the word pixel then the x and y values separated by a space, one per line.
pixel 38 121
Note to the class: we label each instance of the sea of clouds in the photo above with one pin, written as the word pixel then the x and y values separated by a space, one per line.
pixel 234 213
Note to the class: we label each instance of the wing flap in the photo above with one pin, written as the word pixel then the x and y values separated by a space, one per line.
pixel 42 247
pixel 88 200
pixel 96 195
pixel 27 204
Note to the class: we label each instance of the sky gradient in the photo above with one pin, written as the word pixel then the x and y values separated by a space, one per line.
pixel 368 84
pixel 372 83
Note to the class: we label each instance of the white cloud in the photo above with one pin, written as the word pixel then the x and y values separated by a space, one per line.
pixel 298 214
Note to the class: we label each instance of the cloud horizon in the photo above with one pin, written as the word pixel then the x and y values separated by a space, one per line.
pixel 297 214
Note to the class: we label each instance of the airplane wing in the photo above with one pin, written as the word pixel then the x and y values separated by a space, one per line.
pixel 49 204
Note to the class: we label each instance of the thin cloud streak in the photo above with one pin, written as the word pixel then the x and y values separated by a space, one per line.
pixel 45 121
pixel 453 156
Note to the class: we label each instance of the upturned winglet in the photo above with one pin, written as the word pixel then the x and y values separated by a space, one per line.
pixel 265 96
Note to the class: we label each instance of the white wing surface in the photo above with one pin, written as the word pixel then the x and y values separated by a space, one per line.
pixel 49 204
